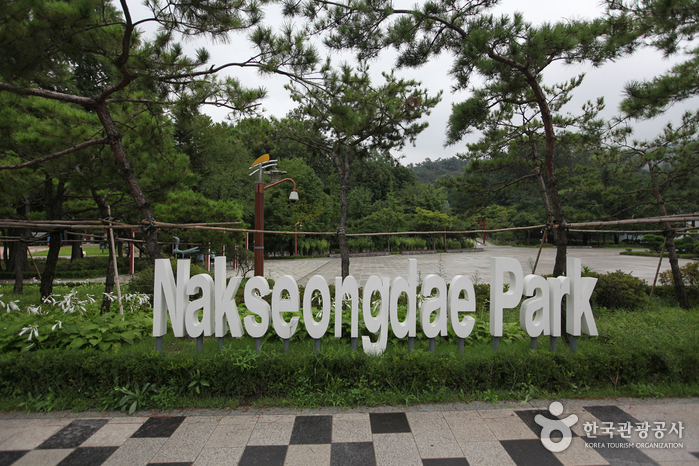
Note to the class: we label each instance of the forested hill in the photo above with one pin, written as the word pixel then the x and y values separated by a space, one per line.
pixel 430 171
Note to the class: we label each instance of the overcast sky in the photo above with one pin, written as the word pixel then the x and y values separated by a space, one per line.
pixel 607 81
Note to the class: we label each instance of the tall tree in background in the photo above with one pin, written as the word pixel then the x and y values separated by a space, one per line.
pixel 46 44
pixel 347 117
pixel 670 160
pixel 669 26
pixel 509 53
pixel 513 148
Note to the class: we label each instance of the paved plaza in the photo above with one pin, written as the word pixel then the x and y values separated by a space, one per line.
pixel 475 265
pixel 604 432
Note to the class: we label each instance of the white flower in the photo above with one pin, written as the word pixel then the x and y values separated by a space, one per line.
pixel 11 306
pixel 33 310
pixel 33 331
pixel 109 296
pixel 51 299
pixel 58 324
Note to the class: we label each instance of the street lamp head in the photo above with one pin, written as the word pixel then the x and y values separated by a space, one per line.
pixel 275 174
pixel 294 196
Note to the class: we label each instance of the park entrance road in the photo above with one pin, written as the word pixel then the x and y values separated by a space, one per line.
pixel 475 265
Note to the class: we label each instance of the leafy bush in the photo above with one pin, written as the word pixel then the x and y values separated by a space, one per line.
pixel 87 267
pixel 617 290
pixel 467 243
pixel 135 381
pixel 72 321
pixel 453 244
pixel 143 281
pixel 686 245
pixel 690 275
pixel 653 242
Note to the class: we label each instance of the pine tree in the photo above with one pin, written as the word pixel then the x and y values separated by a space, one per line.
pixel 92 55
pixel 348 118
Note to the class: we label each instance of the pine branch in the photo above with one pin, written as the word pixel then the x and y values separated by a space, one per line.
pixel 31 163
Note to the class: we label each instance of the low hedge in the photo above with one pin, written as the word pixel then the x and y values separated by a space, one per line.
pixel 232 374
pixel 87 267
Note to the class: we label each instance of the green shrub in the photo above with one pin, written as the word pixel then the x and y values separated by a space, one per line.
pixel 453 244
pixel 617 290
pixel 690 275
pixel 653 242
pixel 685 245
pixel 143 281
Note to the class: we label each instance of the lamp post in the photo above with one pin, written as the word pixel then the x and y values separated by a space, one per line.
pixel 259 167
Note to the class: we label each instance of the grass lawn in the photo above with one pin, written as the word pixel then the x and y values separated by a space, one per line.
pixel 66 251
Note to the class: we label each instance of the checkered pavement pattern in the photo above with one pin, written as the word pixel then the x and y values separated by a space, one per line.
pixel 504 436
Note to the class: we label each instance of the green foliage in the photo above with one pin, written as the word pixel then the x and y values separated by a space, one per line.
pixel 690 275
pixel 618 290
pixel 686 245
pixel 72 321
pixel 144 281
pixel 653 242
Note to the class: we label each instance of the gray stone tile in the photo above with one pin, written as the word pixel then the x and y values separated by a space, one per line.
pixel 186 442
pixel 510 428
pixel 396 449
pixel 468 426
pixel 230 435
pixel 272 433
pixel 351 428
pixel 486 454
pixel 303 455
pixel 28 438
pixel 238 419
pixel 43 457
pixel 579 454
pixel 136 452
pixel 128 420
pixel 433 436
pixel 219 456
pixel 111 435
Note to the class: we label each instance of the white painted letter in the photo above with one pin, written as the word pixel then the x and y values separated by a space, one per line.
pixel 538 287
pixel 380 322
pixel 430 305
pixel 409 287
pixel 226 309
pixel 558 287
pixel 257 306
pixel 165 292
pixel 579 313
pixel 342 288
pixel 194 326
pixel 281 305
pixel 498 299
pixel 462 327
pixel 316 329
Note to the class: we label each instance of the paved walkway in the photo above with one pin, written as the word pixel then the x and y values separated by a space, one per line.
pixel 475 265
pixel 603 432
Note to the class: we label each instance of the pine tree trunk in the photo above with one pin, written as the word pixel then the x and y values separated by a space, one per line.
pixel 51 261
pixel 342 164
pixel 20 261
pixel 680 290
pixel 54 211
pixel 76 249
pixel 108 284
pixel 150 233
pixel 110 278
